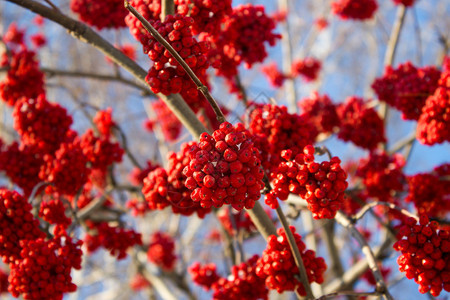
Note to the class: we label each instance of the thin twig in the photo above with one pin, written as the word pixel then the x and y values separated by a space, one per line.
pixel 403 143
pixel 348 293
pixel 296 253
pixel 125 146
pixel 369 206
pixel 200 86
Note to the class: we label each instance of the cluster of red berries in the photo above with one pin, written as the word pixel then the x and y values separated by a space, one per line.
pixel 54 212
pixel 150 10
pixel 277 266
pixel 100 13
pixel 244 33
pixel 161 251
pixel 137 175
pixel 429 193
pixel 170 125
pixel 407 88
pixel 382 175
pixel 425 255
pixel 322 185
pixel 100 151
pixel 242 283
pixel 274 130
pixel 204 276
pixel 166 188
pixel 23 79
pixel 320 111
pixel 354 9
pixel 41 123
pixel 38 40
pixel 14 36
pixel 44 269
pixel 104 121
pixel 360 124
pixel 22 165
pixel 275 76
pixel 225 169
pixel 433 126
pixel 208 15
pixel 167 76
pixel 115 239
pixel 66 169
pixel 308 68
pixel 16 224
pixel 406 3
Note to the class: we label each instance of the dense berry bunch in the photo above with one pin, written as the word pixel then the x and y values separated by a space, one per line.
pixel 161 251
pixel 382 175
pixel 137 175
pixel 433 126
pixel 115 239
pixel 40 123
pixel 354 9
pixel 276 130
pixel 54 212
pixel 170 125
pixel 207 15
pixel 241 284
pixel 22 164
pixel 100 13
pixel 203 275
pixel 244 34
pixel 44 269
pixel 425 255
pixel 308 68
pixel 225 169
pixel 104 121
pixel 100 151
pixel 150 10
pixel 407 88
pixel 277 266
pixel 404 2
pixel 16 224
pixel 155 189
pixel 273 75
pixel 66 169
pixel 23 79
pixel 322 185
pixel 360 124
pixel 321 112
pixel 167 76
pixel 430 194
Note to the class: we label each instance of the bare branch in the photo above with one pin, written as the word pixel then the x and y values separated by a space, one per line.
pixel 369 206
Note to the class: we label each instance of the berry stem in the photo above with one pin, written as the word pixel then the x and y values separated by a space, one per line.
pixel 296 253
pixel 369 206
pixel 219 115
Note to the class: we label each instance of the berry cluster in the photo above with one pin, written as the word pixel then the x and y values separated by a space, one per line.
pixel 277 266
pixel 54 212
pixel 161 251
pixel 207 15
pixel 407 88
pixel 137 175
pixel 100 13
pixel 41 123
pixel 225 169
pixel 16 224
pixel 425 255
pixel 44 269
pixel 66 168
pixel 23 79
pixel 273 75
pixel 322 185
pixel 308 68
pixel 14 36
pixel 170 125
pixel 163 188
pixel 274 130
pixel 406 3
pixel 167 76
pixel 205 275
pixel 382 175
pixel 433 126
pixel 150 10
pixel 321 112
pixel 354 9
pixel 104 122
pixel 242 283
pixel 360 124
pixel 100 151
pixel 115 239
pixel 430 195
pixel 38 40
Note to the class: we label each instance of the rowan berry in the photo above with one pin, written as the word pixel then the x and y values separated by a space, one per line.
pixel 161 251
pixel 354 9
pixel 101 14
